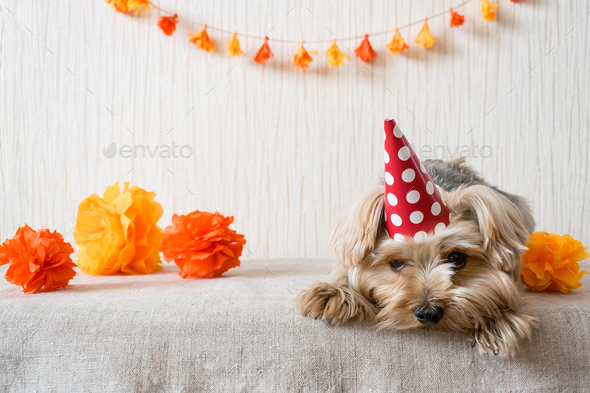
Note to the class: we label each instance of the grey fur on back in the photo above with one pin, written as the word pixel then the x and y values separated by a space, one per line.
pixel 452 175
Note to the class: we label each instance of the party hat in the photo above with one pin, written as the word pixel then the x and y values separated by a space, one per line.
pixel 413 205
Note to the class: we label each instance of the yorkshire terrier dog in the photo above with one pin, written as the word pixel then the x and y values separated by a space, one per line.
pixel 464 277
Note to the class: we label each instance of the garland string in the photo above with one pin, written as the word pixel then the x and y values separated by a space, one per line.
pixel 359 37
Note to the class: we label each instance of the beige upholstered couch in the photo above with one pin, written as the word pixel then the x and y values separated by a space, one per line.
pixel 240 333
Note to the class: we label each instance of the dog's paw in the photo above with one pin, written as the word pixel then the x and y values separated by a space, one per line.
pixel 333 304
pixel 502 336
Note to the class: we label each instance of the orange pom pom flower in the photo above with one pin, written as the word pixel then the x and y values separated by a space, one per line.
pixel 302 57
pixel 397 44
pixel 264 53
pixel 37 260
pixel 365 51
pixel 168 24
pixel 487 10
pixel 202 244
pixel 551 263
pixel 456 19
pixel 202 40
pixel 424 37
pixel 233 46
pixel 118 232
pixel 335 56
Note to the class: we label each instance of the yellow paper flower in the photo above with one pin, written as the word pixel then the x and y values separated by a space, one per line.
pixel 551 263
pixel 119 232
pixel 135 5
pixel 487 10
pixel 334 55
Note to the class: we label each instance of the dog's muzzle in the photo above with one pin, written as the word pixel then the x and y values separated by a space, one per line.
pixel 428 315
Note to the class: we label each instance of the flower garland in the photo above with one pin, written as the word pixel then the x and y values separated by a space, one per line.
pixel 302 58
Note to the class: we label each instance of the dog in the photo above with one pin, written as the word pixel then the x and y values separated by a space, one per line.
pixel 464 278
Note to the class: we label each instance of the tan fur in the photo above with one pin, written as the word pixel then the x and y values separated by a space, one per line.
pixel 482 299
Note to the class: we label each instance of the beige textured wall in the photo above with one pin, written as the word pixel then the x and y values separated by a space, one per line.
pixel 284 150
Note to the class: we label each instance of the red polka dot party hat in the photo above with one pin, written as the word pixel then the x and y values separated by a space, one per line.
pixel 413 205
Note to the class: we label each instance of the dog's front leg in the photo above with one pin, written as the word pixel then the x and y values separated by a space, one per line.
pixel 501 336
pixel 334 303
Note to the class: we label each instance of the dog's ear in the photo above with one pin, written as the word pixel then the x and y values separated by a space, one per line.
pixel 355 233
pixel 500 222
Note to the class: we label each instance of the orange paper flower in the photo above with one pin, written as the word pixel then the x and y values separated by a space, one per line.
pixel 424 38
pixel 233 46
pixel 302 57
pixel 118 232
pixel 135 5
pixel 335 56
pixel 119 5
pixel 37 260
pixel 264 53
pixel 397 44
pixel 365 51
pixel 202 244
pixel 168 24
pixel 487 10
pixel 202 40
pixel 456 19
pixel 551 263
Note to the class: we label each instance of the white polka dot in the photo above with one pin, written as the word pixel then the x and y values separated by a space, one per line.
pixel 413 196
pixel 408 175
pixel 435 209
pixel 399 237
pixel 391 199
pixel 386 156
pixel 416 217
pixel 396 220
pixel 429 188
pixel 397 132
pixel 422 168
pixel 388 178
pixel 439 227
pixel 404 153
pixel 421 235
pixel 384 135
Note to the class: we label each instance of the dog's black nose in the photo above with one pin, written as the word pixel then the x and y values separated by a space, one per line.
pixel 428 315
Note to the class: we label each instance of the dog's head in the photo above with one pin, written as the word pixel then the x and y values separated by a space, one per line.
pixel 457 279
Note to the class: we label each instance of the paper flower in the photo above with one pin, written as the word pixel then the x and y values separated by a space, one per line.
pixel 168 24
pixel 119 5
pixel 397 44
pixel 233 46
pixel 424 37
pixel 365 51
pixel 551 263
pixel 264 53
pixel 135 5
pixel 456 19
pixel 335 56
pixel 118 232
pixel 202 244
pixel 37 260
pixel 487 10
pixel 302 57
pixel 202 40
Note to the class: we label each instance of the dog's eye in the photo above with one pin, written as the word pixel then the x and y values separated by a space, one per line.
pixel 458 259
pixel 396 264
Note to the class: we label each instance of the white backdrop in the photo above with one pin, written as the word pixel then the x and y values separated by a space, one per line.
pixel 282 149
